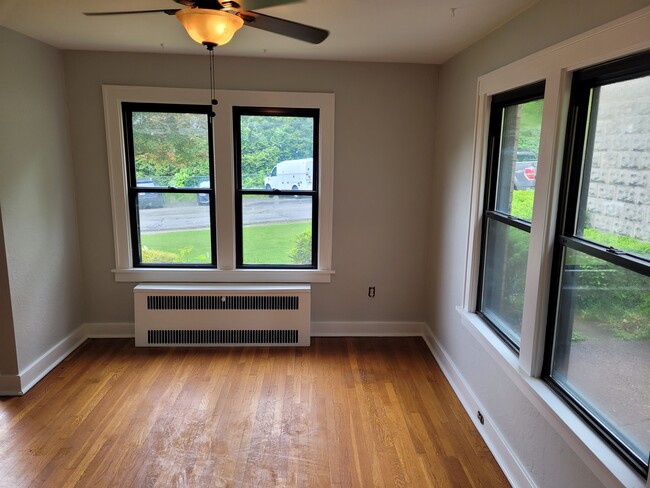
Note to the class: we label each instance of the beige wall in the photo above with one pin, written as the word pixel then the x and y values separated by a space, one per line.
pixel 383 154
pixel 37 198
pixel 549 461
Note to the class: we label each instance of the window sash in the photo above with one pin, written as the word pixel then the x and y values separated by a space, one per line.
pixel 565 389
pixel 508 220
pixel 133 190
pixel 240 192
pixel 498 314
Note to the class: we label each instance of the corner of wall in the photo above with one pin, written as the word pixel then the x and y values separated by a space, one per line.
pixel 8 358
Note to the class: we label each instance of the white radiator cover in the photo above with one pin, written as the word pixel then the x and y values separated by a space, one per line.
pixel 222 315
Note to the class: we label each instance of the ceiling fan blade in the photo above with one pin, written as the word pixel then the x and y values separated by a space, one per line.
pixel 284 27
pixel 239 5
pixel 247 5
pixel 168 11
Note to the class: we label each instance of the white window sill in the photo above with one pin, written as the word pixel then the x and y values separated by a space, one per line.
pixel 605 463
pixel 185 275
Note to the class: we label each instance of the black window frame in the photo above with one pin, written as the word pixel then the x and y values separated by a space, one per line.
pixel 577 142
pixel 238 112
pixel 128 108
pixel 500 101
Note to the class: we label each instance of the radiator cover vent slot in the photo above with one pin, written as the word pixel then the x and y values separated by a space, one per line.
pixel 222 336
pixel 221 302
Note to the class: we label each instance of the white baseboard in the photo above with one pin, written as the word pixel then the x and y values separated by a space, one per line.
pixel 16 385
pixel 48 361
pixel 367 329
pixel 504 455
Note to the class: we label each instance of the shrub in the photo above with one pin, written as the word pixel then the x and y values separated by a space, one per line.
pixel 522 204
pixel 611 297
pixel 301 252
pixel 156 256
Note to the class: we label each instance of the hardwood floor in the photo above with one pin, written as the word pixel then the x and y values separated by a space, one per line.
pixel 344 412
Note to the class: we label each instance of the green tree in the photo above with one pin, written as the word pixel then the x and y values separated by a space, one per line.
pixel 530 125
pixel 171 148
pixel 266 140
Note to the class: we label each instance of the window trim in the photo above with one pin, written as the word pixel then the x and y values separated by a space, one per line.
pixel 621 37
pixel 125 271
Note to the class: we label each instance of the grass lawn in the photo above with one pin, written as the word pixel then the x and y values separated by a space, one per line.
pixel 188 246
pixel 263 244
pixel 270 244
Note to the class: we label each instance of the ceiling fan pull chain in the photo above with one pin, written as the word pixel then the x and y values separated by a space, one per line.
pixel 210 46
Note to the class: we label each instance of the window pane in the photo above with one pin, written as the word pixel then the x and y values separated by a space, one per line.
pixel 277 230
pixel 174 228
pixel 520 132
pixel 170 149
pixel 277 152
pixel 504 277
pixel 615 207
pixel 602 344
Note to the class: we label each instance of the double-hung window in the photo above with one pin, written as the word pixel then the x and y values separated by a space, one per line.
pixel 238 192
pixel 598 352
pixel 513 146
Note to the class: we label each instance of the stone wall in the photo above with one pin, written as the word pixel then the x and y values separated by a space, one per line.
pixel 619 190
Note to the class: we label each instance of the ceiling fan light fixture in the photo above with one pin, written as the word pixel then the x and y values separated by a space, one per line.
pixel 207 26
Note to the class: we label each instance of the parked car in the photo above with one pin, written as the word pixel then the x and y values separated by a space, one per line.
pixel 150 199
pixel 203 198
pixel 525 170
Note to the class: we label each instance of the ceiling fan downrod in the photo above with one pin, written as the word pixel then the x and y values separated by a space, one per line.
pixel 213 100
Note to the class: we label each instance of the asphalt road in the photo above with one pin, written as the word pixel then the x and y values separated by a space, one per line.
pixel 255 211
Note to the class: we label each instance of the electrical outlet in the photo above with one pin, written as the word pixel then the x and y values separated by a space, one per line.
pixel 480 417
pixel 371 292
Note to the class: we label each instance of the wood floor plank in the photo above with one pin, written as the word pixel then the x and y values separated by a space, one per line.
pixel 345 412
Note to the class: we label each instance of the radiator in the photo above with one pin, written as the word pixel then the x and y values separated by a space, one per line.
pixel 220 315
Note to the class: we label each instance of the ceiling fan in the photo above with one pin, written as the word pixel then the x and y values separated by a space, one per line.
pixel 213 23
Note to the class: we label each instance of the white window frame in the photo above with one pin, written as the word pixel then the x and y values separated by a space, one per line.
pixel 555 65
pixel 226 271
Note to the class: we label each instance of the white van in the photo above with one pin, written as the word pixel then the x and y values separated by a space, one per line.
pixel 293 175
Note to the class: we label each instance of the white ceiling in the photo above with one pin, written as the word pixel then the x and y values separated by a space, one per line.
pixel 411 31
